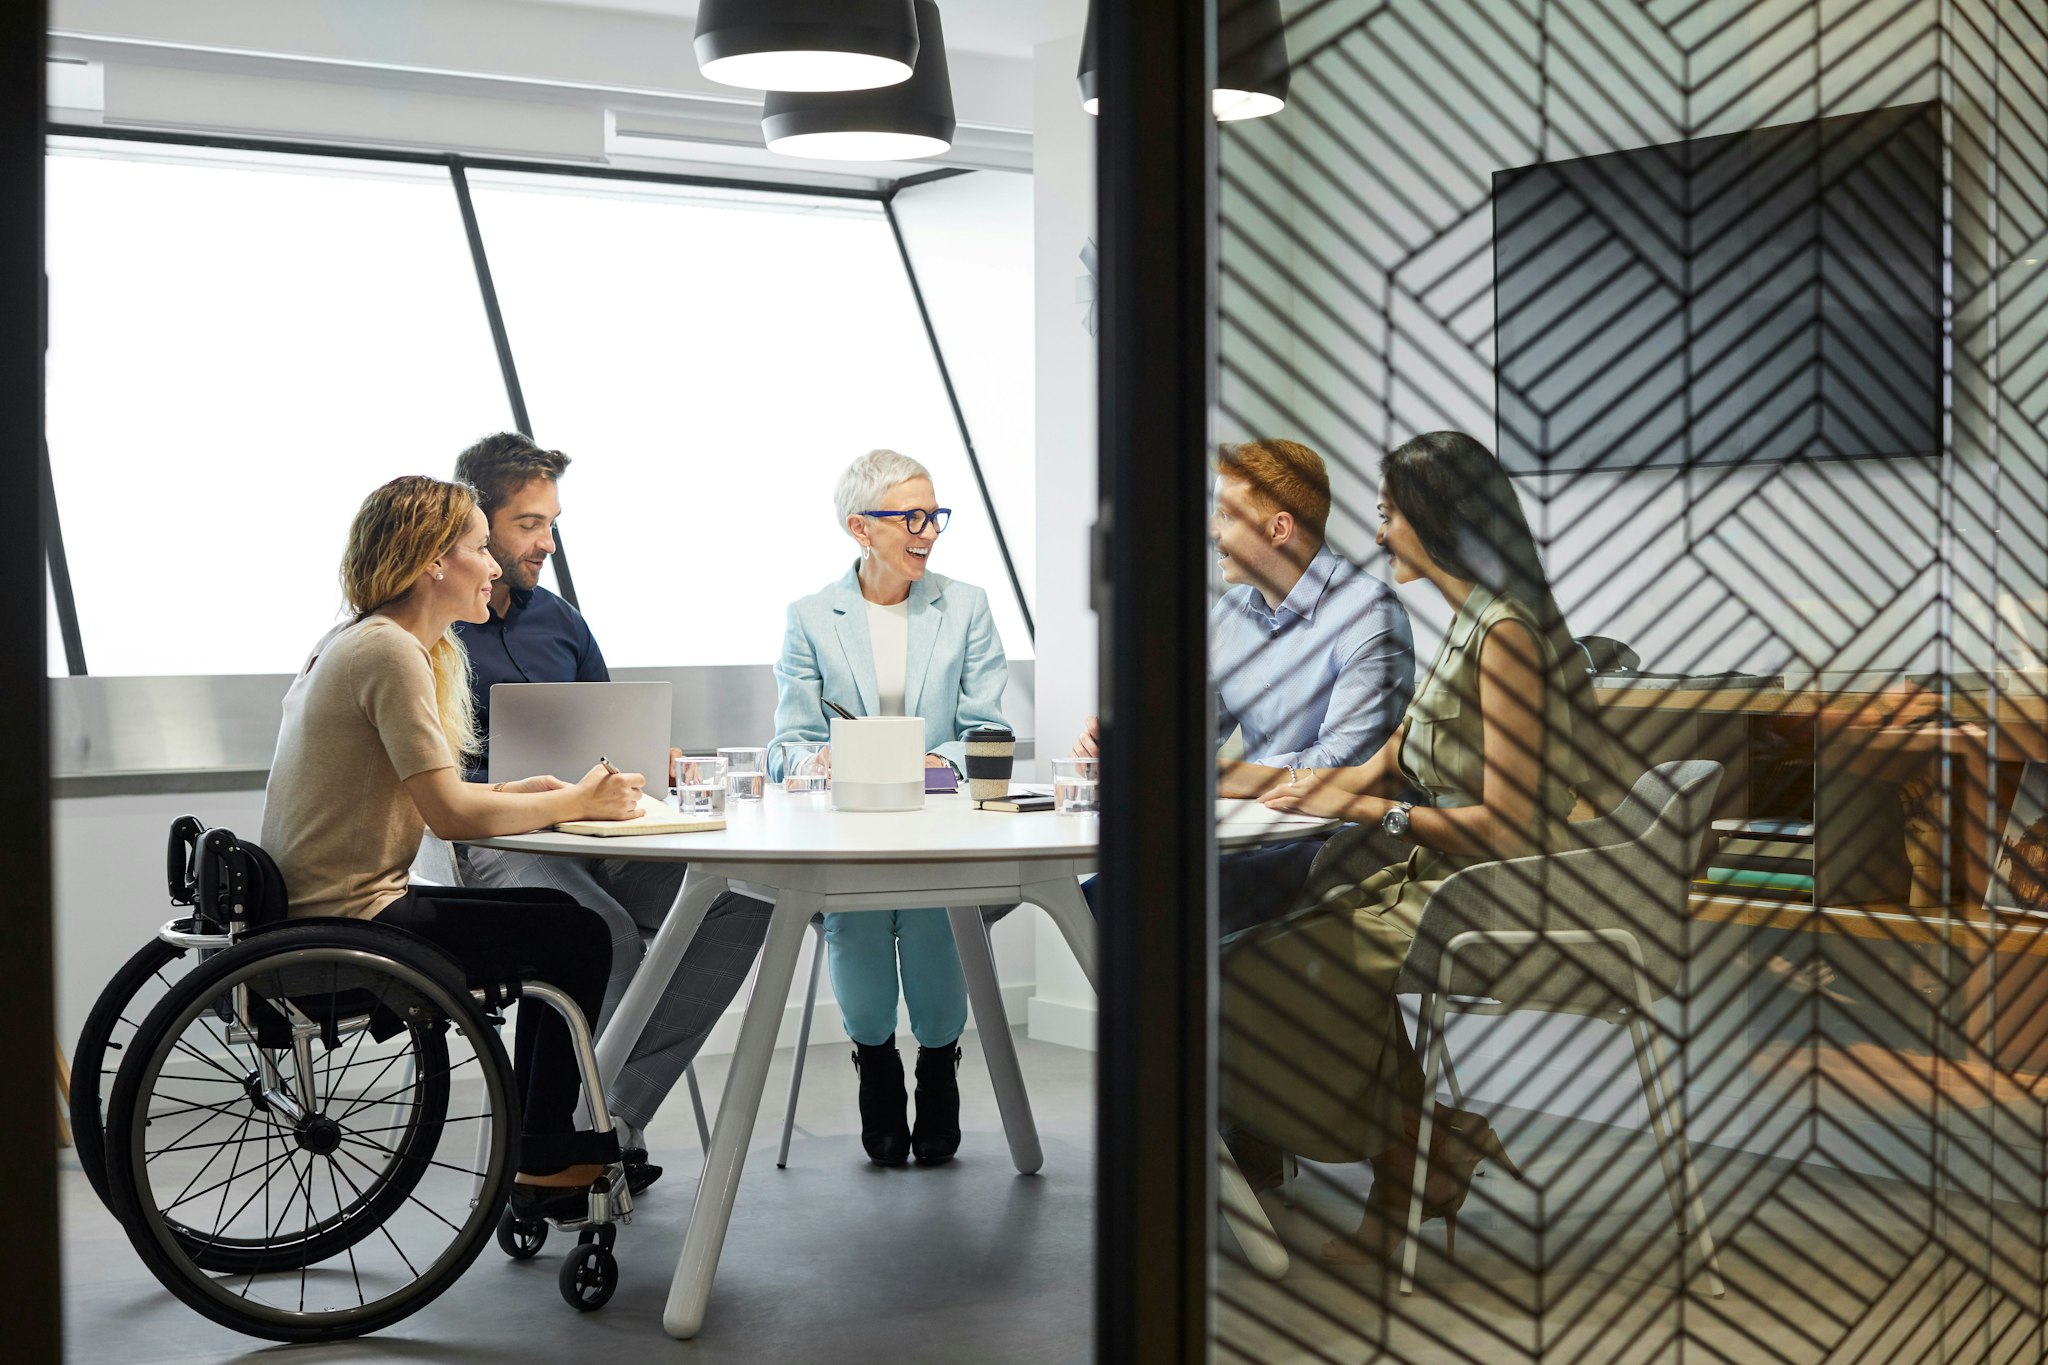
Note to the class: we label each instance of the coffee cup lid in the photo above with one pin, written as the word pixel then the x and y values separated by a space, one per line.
pixel 989 734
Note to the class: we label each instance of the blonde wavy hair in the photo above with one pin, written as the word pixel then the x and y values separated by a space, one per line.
pixel 399 531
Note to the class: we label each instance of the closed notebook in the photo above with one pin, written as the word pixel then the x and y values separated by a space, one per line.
pixel 654 818
pixel 1016 801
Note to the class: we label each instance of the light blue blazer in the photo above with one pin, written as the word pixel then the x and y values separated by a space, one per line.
pixel 953 674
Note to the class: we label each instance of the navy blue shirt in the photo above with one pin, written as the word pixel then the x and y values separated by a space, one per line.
pixel 539 639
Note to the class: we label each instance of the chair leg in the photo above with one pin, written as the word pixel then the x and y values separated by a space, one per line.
pixel 697 1107
pixel 1431 1074
pixel 1246 1219
pixel 1667 1125
pixel 803 1043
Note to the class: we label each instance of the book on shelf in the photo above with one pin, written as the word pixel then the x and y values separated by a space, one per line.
pixel 1768 827
pixel 1743 879
pixel 1746 846
pixel 1741 862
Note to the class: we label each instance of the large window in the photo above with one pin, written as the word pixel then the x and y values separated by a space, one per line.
pixel 238 353
pixel 712 364
pixel 244 344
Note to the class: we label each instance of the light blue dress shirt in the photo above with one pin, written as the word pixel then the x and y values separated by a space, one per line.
pixel 1321 681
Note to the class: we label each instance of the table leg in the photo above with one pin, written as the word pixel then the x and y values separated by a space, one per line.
pixel 712 1212
pixel 1061 899
pixel 978 965
pixel 671 941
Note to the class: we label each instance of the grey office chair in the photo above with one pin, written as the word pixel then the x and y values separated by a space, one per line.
pixel 1598 931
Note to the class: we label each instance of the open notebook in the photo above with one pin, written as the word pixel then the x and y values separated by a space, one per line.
pixel 654 818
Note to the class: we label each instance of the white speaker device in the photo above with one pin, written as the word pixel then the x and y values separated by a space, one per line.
pixel 878 763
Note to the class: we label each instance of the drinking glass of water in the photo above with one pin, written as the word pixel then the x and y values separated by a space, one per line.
pixel 698 781
pixel 746 772
pixel 805 769
pixel 1074 785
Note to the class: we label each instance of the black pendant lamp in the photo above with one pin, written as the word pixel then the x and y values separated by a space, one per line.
pixel 806 44
pixel 893 123
pixel 1251 61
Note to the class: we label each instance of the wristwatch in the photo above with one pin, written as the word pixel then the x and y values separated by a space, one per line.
pixel 1395 821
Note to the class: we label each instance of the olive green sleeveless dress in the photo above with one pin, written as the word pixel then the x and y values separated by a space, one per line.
pixel 1314 1055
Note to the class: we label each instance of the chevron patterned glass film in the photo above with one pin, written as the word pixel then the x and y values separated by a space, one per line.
pixel 1631 629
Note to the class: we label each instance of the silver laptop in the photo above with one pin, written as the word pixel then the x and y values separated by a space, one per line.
pixel 564 728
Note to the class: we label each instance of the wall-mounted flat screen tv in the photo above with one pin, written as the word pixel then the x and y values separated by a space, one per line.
pixel 1765 296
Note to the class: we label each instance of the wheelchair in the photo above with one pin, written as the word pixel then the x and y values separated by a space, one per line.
pixel 282 1139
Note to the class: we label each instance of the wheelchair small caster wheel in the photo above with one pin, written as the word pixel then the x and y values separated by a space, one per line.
pixel 588 1277
pixel 520 1239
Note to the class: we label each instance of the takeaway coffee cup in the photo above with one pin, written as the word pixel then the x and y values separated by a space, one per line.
pixel 991 758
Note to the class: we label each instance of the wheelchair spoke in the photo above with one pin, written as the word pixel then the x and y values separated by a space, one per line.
pixel 406 1156
pixel 354 1271
pixel 410 1198
pixel 383 1228
pixel 298 1182
pixel 365 1102
pixel 185 1198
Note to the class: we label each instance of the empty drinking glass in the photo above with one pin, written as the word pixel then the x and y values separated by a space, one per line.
pixel 746 772
pixel 698 781
pixel 806 766
pixel 1074 783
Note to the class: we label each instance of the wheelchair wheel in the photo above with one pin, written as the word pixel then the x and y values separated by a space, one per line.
pixel 129 997
pixel 132 993
pixel 286 1100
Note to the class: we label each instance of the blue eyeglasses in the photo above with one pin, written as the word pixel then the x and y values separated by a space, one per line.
pixel 916 519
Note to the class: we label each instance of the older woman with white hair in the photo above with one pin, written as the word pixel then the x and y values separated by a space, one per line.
pixel 892 638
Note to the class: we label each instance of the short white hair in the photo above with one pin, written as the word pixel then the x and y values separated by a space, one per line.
pixel 868 480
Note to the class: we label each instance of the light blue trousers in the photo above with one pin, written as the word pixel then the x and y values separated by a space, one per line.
pixel 865 947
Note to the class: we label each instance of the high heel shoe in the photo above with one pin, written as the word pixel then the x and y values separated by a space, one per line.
pixel 884 1120
pixel 1459 1141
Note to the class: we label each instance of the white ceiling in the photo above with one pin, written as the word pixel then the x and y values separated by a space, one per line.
pixel 1003 28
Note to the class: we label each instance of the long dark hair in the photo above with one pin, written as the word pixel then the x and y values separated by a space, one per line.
pixel 1463 508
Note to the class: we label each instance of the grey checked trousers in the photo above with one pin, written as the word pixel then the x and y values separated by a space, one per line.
pixel 634 898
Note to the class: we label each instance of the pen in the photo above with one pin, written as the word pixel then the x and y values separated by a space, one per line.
pixel 607 765
pixel 843 712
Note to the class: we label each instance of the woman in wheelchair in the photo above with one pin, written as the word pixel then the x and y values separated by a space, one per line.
pixel 1315 1056
pixel 367 756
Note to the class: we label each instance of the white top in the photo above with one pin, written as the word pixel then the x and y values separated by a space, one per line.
pixel 889 640
pixel 805 829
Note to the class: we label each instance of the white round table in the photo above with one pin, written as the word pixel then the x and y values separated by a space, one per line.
pixel 804 857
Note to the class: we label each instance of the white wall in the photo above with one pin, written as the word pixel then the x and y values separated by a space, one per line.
pixel 1063 1009
pixel 1380 214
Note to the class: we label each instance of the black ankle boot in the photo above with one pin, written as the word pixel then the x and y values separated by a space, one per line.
pixel 884 1124
pixel 937 1135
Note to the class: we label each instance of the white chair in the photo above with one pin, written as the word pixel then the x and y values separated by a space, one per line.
pixel 1597 931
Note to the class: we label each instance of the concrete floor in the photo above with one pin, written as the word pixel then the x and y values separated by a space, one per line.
pixel 837 1260
pixel 832 1259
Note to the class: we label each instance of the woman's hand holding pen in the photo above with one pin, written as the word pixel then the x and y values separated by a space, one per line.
pixel 609 794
